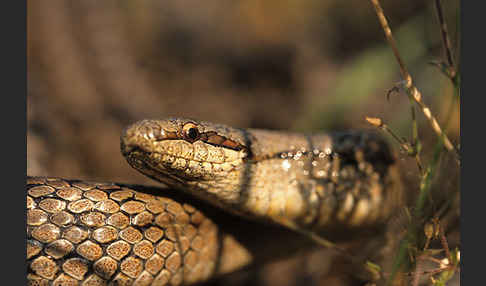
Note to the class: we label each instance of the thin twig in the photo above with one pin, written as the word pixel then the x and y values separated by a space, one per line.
pixel 399 260
pixel 361 268
pixel 415 139
pixel 418 271
pixel 445 37
pixel 429 272
pixel 377 122
pixel 405 146
pixel 388 33
pixel 415 144
pixel 443 241
pixel 433 259
pixel 417 96
pixel 445 69
pixel 412 91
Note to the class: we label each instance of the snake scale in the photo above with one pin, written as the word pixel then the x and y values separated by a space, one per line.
pixel 264 186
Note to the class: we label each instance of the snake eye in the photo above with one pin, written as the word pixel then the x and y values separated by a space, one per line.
pixel 190 132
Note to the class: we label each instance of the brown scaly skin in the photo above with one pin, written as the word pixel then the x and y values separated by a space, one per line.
pixel 88 233
pixel 308 182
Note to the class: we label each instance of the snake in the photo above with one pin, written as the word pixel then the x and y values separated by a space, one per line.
pixel 230 197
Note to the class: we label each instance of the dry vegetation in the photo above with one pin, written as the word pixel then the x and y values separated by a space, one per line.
pixel 426 217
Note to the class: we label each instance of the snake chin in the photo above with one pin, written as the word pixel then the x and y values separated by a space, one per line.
pixel 137 160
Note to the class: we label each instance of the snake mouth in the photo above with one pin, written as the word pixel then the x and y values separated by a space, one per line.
pixel 139 159
pixel 127 149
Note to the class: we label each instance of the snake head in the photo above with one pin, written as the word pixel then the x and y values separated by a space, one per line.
pixel 187 154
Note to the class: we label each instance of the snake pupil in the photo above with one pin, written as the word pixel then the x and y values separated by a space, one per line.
pixel 193 133
pixel 190 132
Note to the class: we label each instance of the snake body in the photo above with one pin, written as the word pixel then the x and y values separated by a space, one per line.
pixel 92 233
pixel 88 233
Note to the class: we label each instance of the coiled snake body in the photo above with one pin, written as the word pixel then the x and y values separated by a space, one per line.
pixel 98 233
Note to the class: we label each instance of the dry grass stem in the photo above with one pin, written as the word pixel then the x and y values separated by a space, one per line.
pixel 445 38
pixel 447 70
pixel 427 272
pixel 433 230
pixel 378 122
pixel 405 146
pixel 418 272
pixel 433 259
pixel 359 268
pixel 391 40
pixel 412 91
pixel 444 243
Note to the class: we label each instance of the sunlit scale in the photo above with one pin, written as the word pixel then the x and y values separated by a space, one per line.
pixel 131 253
pixel 277 205
pixel 286 165
pixel 260 202
pixel 321 174
pixel 293 203
pixel 179 164
pixel 196 169
pixel 344 174
pixel 312 207
pixel 197 151
pixel 298 155
pixel 361 212
pixel 346 207
pixel 167 159
pixel 200 151
pixel 329 204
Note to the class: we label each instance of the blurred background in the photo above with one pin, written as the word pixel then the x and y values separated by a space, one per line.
pixel 96 66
